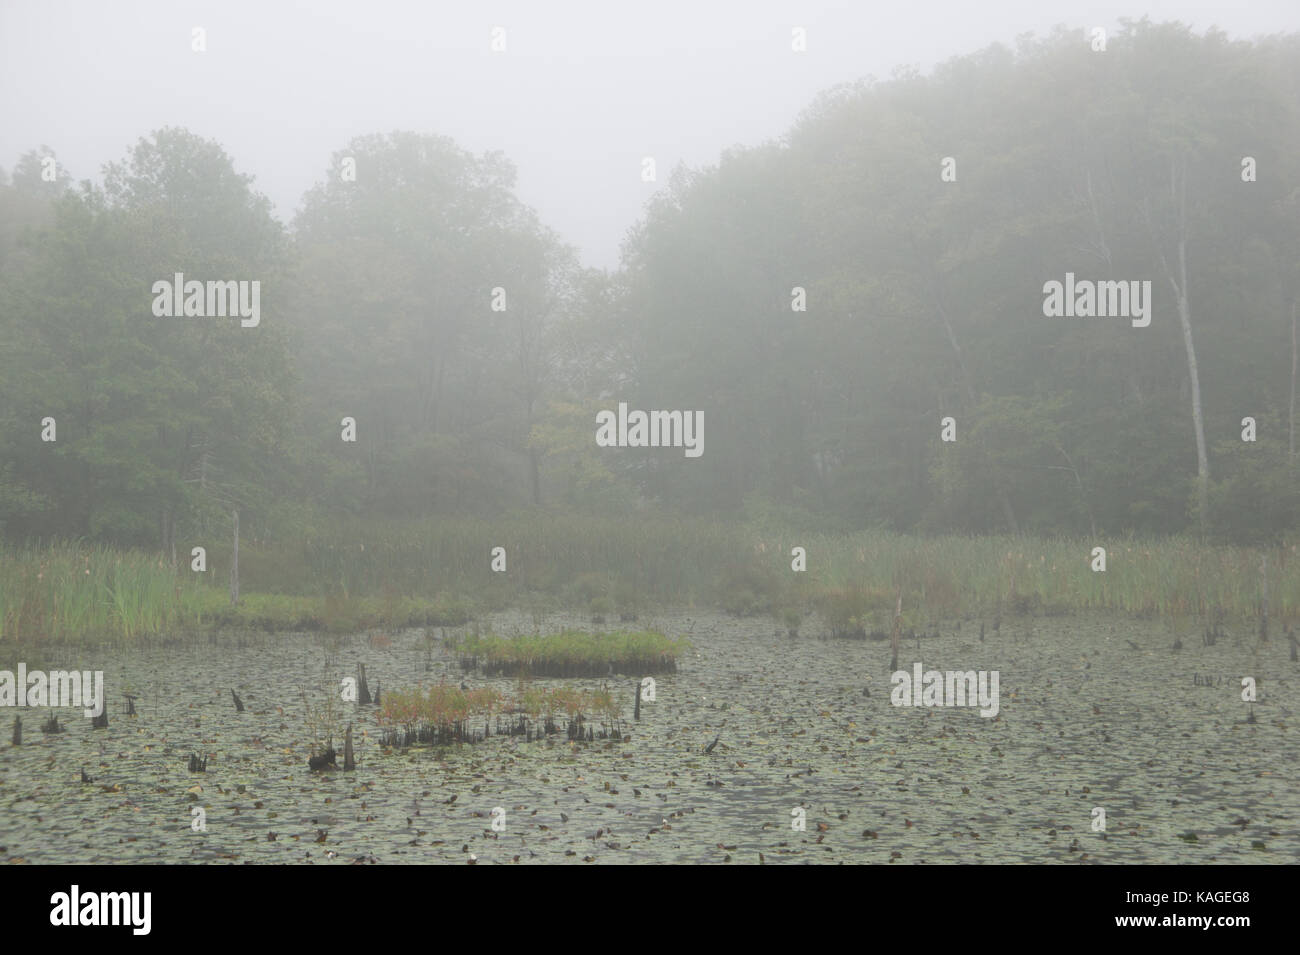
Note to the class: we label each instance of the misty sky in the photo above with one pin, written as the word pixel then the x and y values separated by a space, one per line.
pixel 585 90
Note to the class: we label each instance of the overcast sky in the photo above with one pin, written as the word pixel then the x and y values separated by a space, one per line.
pixel 584 90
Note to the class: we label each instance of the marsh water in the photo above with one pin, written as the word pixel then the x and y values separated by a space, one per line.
pixel 1159 739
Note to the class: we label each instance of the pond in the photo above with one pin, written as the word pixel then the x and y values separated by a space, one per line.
pixel 1094 713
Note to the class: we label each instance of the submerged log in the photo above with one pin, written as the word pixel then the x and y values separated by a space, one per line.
pixel 349 764
pixel 709 749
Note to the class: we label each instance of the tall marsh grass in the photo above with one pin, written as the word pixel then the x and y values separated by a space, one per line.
pixel 947 577
pixel 71 590
pixel 365 575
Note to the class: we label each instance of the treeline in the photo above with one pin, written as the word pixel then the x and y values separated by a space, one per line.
pixel 825 300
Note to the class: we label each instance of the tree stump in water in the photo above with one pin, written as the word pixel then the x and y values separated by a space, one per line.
pixel 363 691
pixel 52 725
pixel 18 729
pixel 198 765
pixel 349 764
pixel 130 705
pixel 239 704
pixel 326 758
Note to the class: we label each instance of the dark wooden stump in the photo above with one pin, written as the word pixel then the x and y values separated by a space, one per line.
pixel 18 729
pixel 239 704
pixel 349 764
pixel 327 758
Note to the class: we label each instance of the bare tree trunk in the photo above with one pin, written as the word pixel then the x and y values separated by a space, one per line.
pixel 1291 417
pixel 1083 497
pixel 1179 284
pixel 1202 459
pixel 234 563
pixel 896 635
pixel 1263 598
pixel 535 476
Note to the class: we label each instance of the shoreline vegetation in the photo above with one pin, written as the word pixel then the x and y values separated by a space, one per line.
pixel 438 574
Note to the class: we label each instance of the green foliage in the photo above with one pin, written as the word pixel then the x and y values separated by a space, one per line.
pixel 572 653
pixel 476 427
pixel 444 705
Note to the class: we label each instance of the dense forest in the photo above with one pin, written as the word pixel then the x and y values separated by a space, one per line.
pixel 825 301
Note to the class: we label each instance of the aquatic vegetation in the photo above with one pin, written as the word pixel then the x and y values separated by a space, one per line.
pixel 384 576
pixel 75 592
pixel 571 653
pixel 71 590
pixel 444 714
pixel 857 577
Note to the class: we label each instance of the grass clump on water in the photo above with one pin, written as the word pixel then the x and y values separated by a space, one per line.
pixel 445 714
pixel 571 654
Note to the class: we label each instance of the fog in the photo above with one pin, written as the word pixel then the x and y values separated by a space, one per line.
pixel 673 434
pixel 584 91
